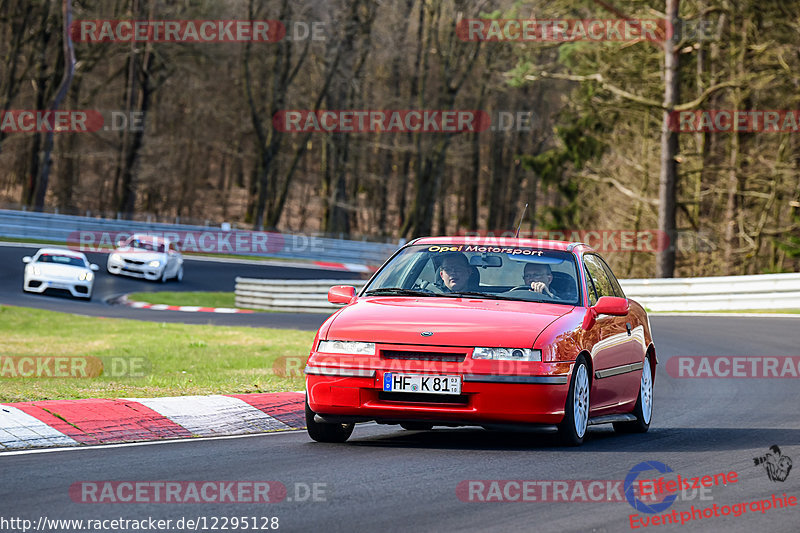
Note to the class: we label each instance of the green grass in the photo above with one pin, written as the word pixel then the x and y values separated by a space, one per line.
pixel 202 299
pixel 180 359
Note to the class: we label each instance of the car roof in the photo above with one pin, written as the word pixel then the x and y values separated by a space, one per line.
pixel 149 238
pixel 61 251
pixel 505 242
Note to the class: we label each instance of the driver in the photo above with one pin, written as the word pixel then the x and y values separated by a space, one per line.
pixel 457 273
pixel 539 277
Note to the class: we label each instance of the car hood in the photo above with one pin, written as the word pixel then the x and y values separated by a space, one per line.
pixel 453 321
pixel 140 255
pixel 54 271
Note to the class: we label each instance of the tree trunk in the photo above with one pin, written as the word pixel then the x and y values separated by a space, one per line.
pixel 667 190
pixel 69 70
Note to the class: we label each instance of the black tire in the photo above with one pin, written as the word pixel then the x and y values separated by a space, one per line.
pixel 573 430
pixel 642 423
pixel 416 426
pixel 325 432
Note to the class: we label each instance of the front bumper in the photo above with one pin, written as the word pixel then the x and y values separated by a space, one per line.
pixel 492 392
pixel 78 289
pixel 141 271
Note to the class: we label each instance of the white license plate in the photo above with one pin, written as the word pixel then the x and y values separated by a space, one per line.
pixel 426 384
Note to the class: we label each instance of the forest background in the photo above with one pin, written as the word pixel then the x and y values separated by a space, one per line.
pixel 592 154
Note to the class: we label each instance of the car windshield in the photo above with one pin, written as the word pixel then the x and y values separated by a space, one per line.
pixel 147 246
pixel 485 271
pixel 62 260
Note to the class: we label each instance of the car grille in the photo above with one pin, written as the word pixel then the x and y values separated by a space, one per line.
pixel 133 262
pixel 411 397
pixel 424 356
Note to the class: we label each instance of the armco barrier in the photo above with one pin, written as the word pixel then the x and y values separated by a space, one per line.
pixel 58 228
pixel 292 296
pixel 728 293
pixel 723 293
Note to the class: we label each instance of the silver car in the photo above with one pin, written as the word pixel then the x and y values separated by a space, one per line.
pixel 147 257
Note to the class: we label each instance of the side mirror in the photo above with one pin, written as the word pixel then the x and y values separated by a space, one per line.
pixel 94 267
pixel 341 294
pixel 611 305
pixel 27 259
pixel 120 243
pixel 606 305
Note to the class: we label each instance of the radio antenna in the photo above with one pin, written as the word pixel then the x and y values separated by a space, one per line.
pixel 521 218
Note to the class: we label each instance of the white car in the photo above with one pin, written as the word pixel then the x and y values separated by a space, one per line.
pixel 59 269
pixel 148 257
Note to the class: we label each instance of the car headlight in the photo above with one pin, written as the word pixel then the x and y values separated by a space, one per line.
pixel 155 263
pixel 507 354
pixel 347 347
pixel 36 271
pixel 116 257
pixel 86 276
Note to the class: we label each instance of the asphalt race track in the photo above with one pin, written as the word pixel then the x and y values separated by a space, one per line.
pixel 199 275
pixel 388 479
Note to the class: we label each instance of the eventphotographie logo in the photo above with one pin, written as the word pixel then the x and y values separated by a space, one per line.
pixel 775 463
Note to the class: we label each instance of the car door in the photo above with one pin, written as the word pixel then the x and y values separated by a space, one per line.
pixel 613 354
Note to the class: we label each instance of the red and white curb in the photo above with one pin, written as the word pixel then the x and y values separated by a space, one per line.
pixel 185 308
pixel 106 421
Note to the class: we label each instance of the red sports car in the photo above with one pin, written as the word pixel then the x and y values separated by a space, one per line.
pixel 498 333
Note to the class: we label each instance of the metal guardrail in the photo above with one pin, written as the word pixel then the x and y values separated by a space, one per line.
pixel 728 293
pixel 291 296
pixel 721 293
pixel 61 228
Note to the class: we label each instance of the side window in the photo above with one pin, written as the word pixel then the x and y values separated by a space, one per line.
pixel 428 272
pixel 590 287
pixel 601 281
pixel 614 283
